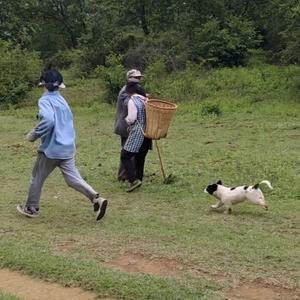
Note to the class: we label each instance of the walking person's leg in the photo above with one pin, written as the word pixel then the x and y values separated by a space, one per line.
pixel 75 181
pixel 41 170
pixel 122 174
pixel 128 160
pixel 140 158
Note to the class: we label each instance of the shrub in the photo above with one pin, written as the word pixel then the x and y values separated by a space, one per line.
pixel 113 76
pixel 66 59
pixel 155 74
pixel 225 45
pixel 19 71
pixel 168 47
pixel 211 109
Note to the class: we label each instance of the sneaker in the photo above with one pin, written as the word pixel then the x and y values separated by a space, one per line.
pixel 100 205
pixel 137 183
pixel 27 211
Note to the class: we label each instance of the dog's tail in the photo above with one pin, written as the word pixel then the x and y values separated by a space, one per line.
pixel 267 182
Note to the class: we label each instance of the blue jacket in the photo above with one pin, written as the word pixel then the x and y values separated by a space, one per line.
pixel 55 127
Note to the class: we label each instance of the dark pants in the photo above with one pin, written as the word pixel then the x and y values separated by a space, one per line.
pixel 122 174
pixel 134 163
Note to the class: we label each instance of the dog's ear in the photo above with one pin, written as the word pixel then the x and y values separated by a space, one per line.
pixel 219 182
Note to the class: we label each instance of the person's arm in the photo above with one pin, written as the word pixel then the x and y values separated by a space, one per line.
pixel 46 123
pixel 122 96
pixel 132 113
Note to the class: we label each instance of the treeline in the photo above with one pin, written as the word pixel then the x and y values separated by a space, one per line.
pixel 84 34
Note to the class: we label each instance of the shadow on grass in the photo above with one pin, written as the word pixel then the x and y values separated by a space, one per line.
pixel 237 213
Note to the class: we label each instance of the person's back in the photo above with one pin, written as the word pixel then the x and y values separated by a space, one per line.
pixel 56 126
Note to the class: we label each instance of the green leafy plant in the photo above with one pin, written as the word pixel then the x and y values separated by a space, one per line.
pixel 19 70
pixel 211 109
pixel 113 76
pixel 225 45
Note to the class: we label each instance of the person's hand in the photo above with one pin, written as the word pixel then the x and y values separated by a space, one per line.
pixel 30 136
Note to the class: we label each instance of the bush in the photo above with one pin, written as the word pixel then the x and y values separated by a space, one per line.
pixel 225 45
pixel 66 59
pixel 113 76
pixel 20 69
pixel 211 109
pixel 142 51
pixel 155 74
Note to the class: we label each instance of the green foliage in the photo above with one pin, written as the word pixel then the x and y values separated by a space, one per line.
pixel 66 59
pixel 291 54
pixel 20 69
pixel 113 75
pixel 196 83
pixel 211 109
pixel 16 21
pixel 155 74
pixel 218 32
pixel 226 45
pixel 141 51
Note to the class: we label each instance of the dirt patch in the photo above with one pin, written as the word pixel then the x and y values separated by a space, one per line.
pixel 161 266
pixel 255 291
pixel 140 263
pixel 29 288
pixel 65 247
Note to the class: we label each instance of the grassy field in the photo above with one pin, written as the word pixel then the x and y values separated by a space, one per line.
pixel 248 142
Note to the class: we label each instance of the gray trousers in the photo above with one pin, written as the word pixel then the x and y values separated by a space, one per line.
pixel 42 169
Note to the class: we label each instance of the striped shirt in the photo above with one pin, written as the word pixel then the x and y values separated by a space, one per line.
pixel 136 135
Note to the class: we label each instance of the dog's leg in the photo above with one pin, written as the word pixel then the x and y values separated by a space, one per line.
pixel 228 209
pixel 217 205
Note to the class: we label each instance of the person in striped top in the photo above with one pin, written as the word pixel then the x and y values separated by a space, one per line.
pixel 136 145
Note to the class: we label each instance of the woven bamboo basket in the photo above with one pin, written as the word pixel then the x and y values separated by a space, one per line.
pixel 159 114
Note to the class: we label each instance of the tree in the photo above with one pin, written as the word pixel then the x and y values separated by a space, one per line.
pixel 225 45
pixel 291 36
pixel 67 15
pixel 16 23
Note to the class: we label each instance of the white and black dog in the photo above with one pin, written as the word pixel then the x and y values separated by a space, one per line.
pixel 228 196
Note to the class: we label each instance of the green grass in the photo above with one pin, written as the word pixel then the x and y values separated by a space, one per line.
pixel 5 296
pixel 247 143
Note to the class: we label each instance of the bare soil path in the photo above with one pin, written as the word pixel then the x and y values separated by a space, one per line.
pixel 30 288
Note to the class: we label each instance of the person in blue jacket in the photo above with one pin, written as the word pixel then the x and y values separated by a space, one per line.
pixel 57 149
